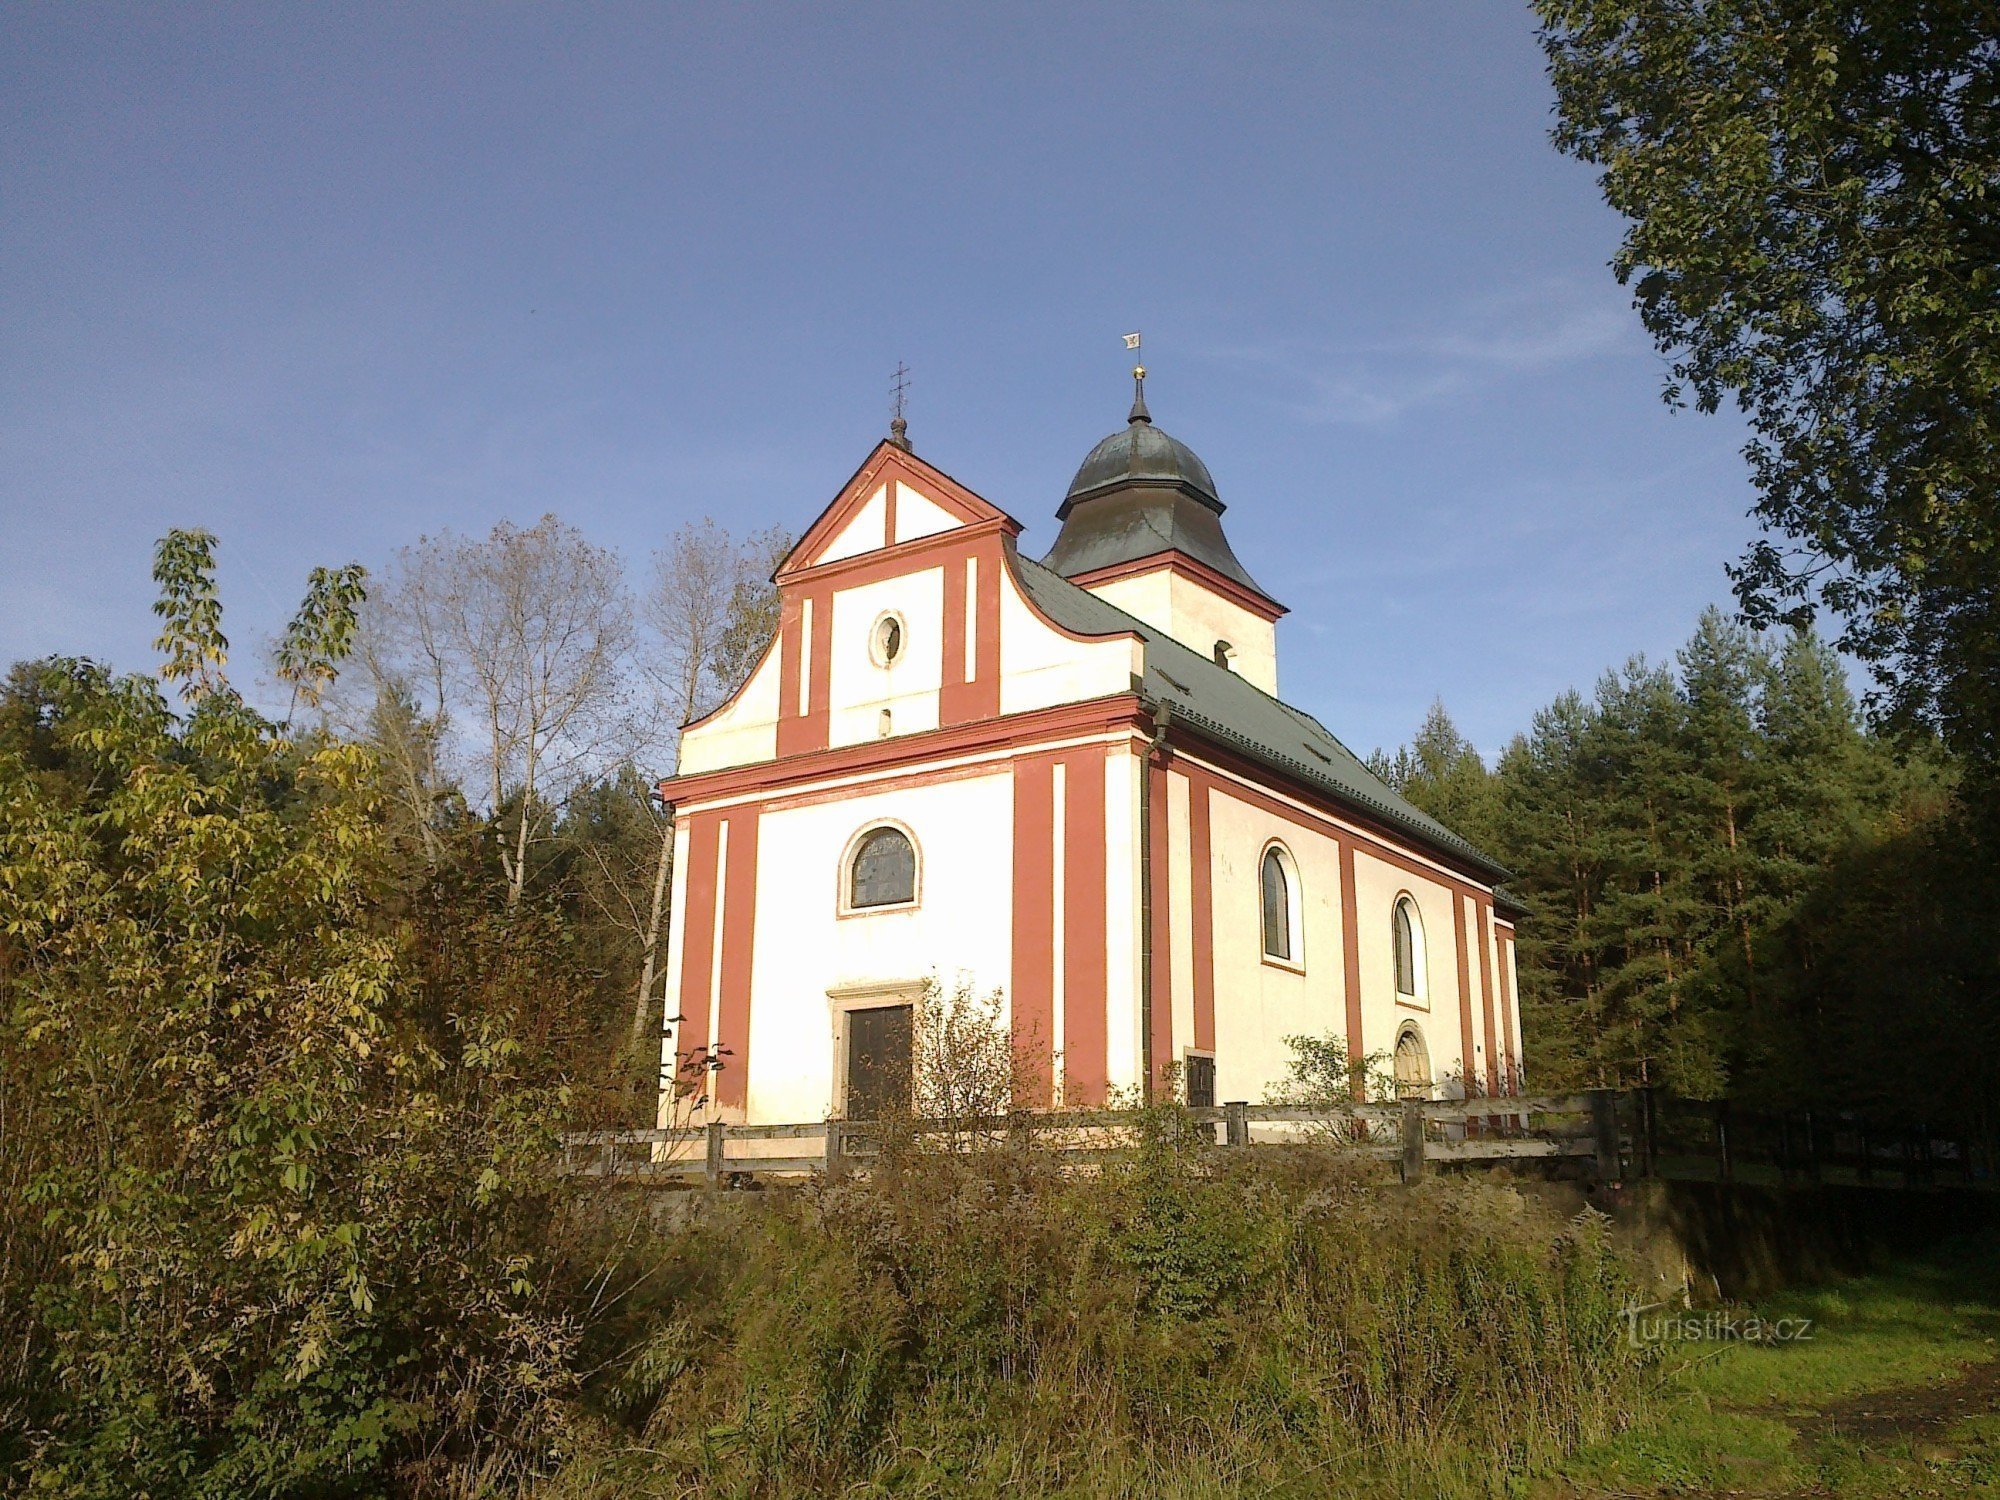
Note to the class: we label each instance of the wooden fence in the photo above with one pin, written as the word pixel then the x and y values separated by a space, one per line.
pixel 1606 1134
pixel 1413 1134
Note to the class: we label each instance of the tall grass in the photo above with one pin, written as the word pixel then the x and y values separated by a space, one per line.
pixel 1189 1323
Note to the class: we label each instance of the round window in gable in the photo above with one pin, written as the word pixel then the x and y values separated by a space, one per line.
pixel 885 641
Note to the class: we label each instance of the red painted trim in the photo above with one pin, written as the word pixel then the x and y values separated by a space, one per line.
pixel 889 511
pixel 963 701
pixel 739 931
pixel 697 942
pixel 888 784
pixel 1032 1004
pixel 986 632
pixel 1160 1002
pixel 1201 891
pixel 821 714
pixel 1502 946
pixel 1350 939
pixel 895 561
pixel 1260 605
pixel 954 705
pixel 1466 1066
pixel 1368 833
pixel 801 734
pixel 1014 732
pixel 790 610
pixel 888 463
pixel 1486 968
pixel 1083 1040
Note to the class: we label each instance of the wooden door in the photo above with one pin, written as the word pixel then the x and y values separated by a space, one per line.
pixel 878 1061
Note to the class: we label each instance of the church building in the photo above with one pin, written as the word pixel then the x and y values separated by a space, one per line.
pixel 1072 782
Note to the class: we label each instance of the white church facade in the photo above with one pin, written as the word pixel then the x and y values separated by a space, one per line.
pixel 1070 782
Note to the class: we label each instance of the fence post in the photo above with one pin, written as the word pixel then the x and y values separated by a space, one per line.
pixel 1725 1168
pixel 1413 1140
pixel 1604 1129
pixel 717 1134
pixel 1236 1123
pixel 836 1147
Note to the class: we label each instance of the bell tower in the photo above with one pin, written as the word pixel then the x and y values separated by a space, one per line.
pixel 1142 529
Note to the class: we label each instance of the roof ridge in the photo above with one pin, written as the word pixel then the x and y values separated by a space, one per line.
pixel 1360 784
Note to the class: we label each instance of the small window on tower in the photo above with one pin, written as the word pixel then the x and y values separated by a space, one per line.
pixel 1224 653
pixel 885 641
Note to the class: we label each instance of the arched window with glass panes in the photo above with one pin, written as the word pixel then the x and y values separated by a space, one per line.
pixel 882 871
pixel 1278 889
pixel 1408 935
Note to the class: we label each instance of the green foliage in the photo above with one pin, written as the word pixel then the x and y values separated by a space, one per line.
pixel 321 634
pixel 1813 196
pixel 750 619
pixel 1319 1075
pixel 1735 888
pixel 276 1198
pixel 1440 772
pixel 1187 1324
pixel 191 635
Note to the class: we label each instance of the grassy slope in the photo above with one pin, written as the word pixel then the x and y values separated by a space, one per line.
pixel 1893 1395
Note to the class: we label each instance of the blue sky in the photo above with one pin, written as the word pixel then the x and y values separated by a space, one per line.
pixel 324 278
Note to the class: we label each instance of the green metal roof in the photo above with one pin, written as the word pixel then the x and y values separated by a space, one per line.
pixel 1227 708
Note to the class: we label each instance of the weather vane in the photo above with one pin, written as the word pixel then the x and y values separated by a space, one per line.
pixel 899 391
pixel 1139 412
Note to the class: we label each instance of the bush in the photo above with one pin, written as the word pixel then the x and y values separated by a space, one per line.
pixel 1189 1322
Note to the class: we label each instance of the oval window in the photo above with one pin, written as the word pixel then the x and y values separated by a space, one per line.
pixel 886 643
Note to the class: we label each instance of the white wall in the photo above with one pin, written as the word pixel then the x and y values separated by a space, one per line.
pixel 804 947
pixel 859 688
pixel 865 531
pixel 743 731
pixel 1257 1003
pixel 1197 617
pixel 1377 884
pixel 1040 666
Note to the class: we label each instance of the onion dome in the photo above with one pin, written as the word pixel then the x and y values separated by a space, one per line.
pixel 1139 493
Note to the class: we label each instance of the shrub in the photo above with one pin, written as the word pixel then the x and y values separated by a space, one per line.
pixel 1187 1322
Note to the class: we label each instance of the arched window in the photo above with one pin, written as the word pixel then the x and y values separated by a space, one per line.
pixel 1224 653
pixel 1409 938
pixel 1280 905
pixel 883 871
pixel 1413 1064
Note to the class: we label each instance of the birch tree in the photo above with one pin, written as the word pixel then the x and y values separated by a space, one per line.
pixel 712 607
pixel 513 649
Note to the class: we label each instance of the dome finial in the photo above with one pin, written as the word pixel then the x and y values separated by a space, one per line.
pixel 1139 412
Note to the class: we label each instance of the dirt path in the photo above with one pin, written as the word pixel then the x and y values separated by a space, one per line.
pixel 1877 1418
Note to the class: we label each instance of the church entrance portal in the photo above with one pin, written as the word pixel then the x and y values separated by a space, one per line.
pixel 878 1061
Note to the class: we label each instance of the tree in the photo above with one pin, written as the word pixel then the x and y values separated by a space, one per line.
pixel 714 609
pixel 276 1203
pixel 513 646
pixel 753 609
pixel 1813 190
pixel 1441 773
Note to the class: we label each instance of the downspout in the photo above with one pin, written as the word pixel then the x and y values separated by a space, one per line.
pixel 1156 750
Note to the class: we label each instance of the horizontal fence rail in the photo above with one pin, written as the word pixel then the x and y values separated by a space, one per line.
pixel 1611 1135
pixel 1412 1133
